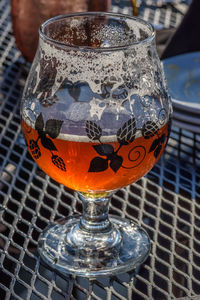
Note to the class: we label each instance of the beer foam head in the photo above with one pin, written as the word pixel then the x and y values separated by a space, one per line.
pixel 97 49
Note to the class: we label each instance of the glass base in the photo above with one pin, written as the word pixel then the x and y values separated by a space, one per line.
pixel 69 249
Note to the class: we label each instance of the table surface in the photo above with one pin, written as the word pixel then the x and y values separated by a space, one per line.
pixel 166 203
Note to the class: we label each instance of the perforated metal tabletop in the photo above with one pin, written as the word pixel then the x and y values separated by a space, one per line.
pixel 166 203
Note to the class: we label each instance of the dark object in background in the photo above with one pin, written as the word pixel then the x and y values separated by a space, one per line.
pixel 186 37
pixel 28 15
pixel 162 38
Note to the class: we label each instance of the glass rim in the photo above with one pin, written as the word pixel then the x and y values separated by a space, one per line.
pixel 90 48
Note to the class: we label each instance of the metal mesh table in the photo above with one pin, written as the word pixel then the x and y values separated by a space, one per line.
pixel 166 203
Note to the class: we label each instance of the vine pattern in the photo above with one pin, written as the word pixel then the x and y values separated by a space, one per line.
pixel 51 128
pixel 109 157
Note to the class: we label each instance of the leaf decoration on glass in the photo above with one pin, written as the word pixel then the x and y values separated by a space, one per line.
pixel 74 90
pixel 162 116
pixel 99 164
pixel 93 131
pixel 157 151
pixel 108 155
pixel 45 83
pixel 52 129
pixel 116 162
pixel 104 149
pixel 47 143
pixel 149 129
pixel 156 146
pixel 35 149
pixel 126 134
pixel 47 74
pixel 58 162
pixel 39 123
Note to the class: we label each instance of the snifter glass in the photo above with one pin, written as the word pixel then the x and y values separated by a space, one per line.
pixel 95 116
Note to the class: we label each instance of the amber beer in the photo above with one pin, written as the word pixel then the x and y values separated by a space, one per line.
pixel 78 163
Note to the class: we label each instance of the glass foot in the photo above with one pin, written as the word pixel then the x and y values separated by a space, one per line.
pixel 70 249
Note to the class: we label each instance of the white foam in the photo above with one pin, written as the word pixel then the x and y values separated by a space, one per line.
pixel 85 139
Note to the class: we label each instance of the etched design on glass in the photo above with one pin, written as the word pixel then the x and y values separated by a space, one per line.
pixel 93 131
pixel 156 146
pixel 136 155
pixel 149 129
pixel 99 164
pixel 47 75
pixel 52 129
pixel 125 136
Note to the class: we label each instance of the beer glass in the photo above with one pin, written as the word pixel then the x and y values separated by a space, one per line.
pixel 95 116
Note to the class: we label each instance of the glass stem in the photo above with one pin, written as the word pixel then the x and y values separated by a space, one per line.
pixel 95 214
